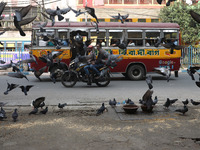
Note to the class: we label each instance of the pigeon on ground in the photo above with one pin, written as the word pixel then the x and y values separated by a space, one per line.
pixel 15 115
pixel 194 102
pixel 185 102
pixel 163 71
pixel 62 105
pixel 120 17
pixel 101 110
pixel 17 75
pixel 149 81
pixel 112 103
pixel 10 87
pixel 34 111
pixel 77 12
pixel 36 103
pixel 183 111
pixel 26 88
pixel 155 101
pixel 19 21
pixel 2 114
pixel 141 102
pixel 91 11
pixel 167 103
pixel 44 111
pixel 195 16
pixel 42 105
pixel 129 101
pixel 2 6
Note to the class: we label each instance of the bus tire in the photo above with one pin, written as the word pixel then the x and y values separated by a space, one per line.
pixel 136 72
pixel 176 73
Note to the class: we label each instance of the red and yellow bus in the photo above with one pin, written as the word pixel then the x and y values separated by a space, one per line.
pixel 139 58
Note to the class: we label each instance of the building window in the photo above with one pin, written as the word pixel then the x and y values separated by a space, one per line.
pixel 80 1
pixel 141 20
pixel 130 1
pixel 115 1
pixel 144 1
pixel 154 20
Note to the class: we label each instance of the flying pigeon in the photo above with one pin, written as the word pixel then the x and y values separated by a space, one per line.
pixel 149 81
pixel 36 103
pixel 2 62
pixel 172 101
pixel 15 115
pixel 39 72
pixel 77 12
pixel 120 17
pixel 183 111
pixel 10 87
pixel 25 89
pixel 96 26
pixel 172 46
pixel 19 21
pixel 163 71
pixel 17 75
pixel 2 6
pixel 194 102
pixel 52 18
pixel 91 11
pixel 112 103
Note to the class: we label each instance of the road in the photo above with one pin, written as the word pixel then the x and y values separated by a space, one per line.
pixel 120 88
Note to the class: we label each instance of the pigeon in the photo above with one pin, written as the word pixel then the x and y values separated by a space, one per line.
pixel 2 62
pixel 36 103
pixel 57 12
pixel 19 21
pixel 191 71
pixel 62 105
pixel 101 110
pixel 149 81
pixel 25 89
pixel 77 12
pixel 15 69
pixel 195 16
pixel 39 72
pixel 167 103
pixel 91 11
pixel 44 111
pixel 120 17
pixel 41 26
pixel 30 60
pixel 185 102
pixel 194 102
pixel 2 6
pixel 6 66
pixel 129 101
pixel 10 87
pixel 15 115
pixel 155 100
pixel 163 71
pixel 172 101
pixel 96 26
pixel 183 111
pixel 159 2
pixel 169 1
pixel 34 111
pixel 112 103
pixel 17 75
pixel 2 114
pixel 42 105
pixel 172 46
pixel 52 18
pixel 141 102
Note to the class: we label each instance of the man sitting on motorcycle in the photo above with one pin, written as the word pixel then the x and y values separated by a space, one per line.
pixel 91 61
pixel 102 55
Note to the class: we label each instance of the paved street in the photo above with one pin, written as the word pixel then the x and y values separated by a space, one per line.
pixel 120 88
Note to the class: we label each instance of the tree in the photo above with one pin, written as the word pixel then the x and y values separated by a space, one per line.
pixel 179 13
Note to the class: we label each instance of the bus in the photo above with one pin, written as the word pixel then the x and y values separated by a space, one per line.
pixel 139 58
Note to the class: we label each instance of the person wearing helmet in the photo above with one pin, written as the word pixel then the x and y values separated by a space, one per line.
pixel 91 61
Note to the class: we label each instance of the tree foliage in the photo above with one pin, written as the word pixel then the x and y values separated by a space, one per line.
pixel 179 13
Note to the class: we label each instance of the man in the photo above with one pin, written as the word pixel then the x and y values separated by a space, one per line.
pixel 100 60
pixel 90 60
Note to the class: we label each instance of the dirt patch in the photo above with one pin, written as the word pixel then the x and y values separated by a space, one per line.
pixel 80 128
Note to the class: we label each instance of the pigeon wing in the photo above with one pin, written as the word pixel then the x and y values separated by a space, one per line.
pixel 28 87
pixel 38 101
pixel 27 21
pixel 12 86
pixel 2 6
pixel 22 88
pixel 66 10
pixel 24 11
pixel 125 16
pixel 51 12
pixel 115 17
pixel 195 16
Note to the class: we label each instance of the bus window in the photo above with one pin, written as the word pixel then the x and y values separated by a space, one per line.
pixel 114 37
pixel 62 34
pixel 151 36
pixel 170 35
pixel 98 38
pixel 134 38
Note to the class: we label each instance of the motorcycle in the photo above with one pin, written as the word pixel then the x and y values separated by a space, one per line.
pixel 76 73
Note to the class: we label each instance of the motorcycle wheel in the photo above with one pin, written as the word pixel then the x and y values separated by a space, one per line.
pixel 69 79
pixel 105 82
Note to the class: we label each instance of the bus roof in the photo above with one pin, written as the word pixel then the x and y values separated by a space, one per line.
pixel 139 25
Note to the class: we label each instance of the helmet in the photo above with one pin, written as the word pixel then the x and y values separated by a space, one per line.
pixel 78 38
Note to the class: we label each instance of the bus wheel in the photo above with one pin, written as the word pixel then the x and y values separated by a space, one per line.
pixel 136 72
pixel 176 73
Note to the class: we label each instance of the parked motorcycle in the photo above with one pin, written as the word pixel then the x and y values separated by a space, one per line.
pixel 76 72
